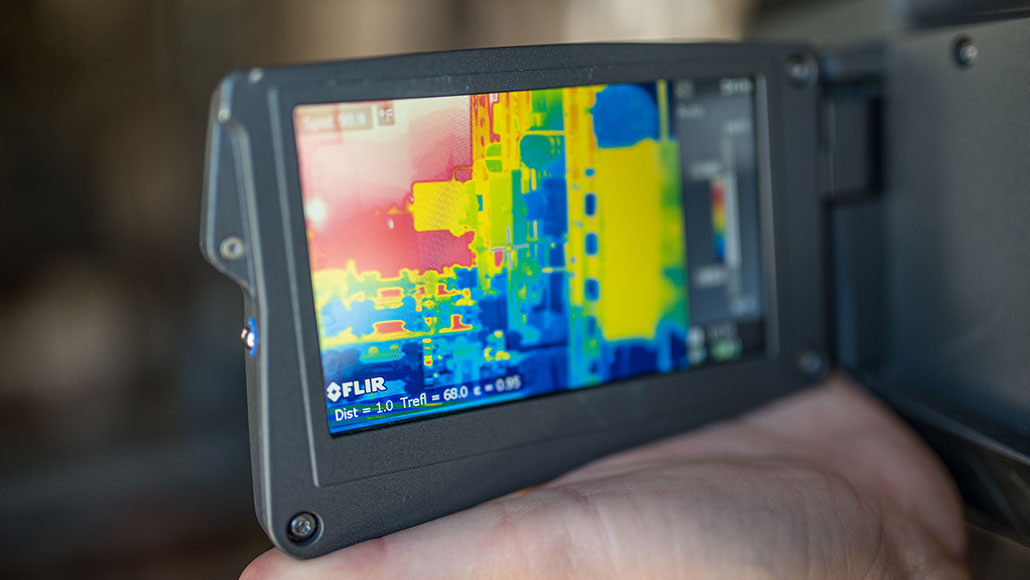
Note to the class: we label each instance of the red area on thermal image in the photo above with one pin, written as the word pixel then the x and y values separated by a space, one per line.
pixel 458 324
pixel 387 244
pixel 389 327
pixel 363 215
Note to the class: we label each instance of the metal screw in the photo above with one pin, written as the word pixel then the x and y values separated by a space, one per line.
pixel 801 69
pixel 811 364
pixel 302 527
pixel 966 51
pixel 231 248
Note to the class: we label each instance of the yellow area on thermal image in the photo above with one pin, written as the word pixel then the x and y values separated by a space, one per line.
pixel 427 289
pixel 632 184
pixel 443 205
pixel 344 338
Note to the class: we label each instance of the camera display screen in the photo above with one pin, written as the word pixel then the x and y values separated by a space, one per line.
pixel 473 250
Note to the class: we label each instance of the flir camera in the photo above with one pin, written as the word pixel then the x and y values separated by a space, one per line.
pixel 466 273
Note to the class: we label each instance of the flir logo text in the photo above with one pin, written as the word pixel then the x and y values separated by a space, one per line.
pixel 372 385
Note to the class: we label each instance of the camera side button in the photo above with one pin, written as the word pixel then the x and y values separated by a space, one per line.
pixel 249 337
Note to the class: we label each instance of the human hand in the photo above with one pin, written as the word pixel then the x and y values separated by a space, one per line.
pixel 823 484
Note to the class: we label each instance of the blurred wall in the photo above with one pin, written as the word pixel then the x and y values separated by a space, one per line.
pixel 123 441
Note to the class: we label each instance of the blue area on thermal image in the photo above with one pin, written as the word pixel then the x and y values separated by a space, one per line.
pixel 547 205
pixel 592 288
pixel 590 200
pixel 591 244
pixel 625 115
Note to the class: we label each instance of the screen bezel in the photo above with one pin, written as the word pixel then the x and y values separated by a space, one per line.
pixel 356 455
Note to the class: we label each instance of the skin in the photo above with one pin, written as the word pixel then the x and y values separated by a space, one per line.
pixel 824 484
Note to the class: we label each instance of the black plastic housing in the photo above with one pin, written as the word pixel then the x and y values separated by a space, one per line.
pixel 367 484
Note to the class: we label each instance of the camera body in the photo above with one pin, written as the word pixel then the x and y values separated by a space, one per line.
pixel 358 433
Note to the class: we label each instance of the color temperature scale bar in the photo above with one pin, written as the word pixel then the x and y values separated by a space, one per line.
pixel 729 207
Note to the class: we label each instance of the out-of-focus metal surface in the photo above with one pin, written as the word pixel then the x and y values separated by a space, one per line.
pixel 922 272
pixel 956 347
pixel 958 222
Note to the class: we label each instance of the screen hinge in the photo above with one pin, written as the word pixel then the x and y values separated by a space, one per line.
pixel 850 164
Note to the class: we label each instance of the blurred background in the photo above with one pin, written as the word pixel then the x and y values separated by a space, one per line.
pixel 123 435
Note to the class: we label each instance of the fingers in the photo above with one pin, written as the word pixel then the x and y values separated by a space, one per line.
pixel 837 426
pixel 645 524
pixel 652 523
pixel 843 427
pixel 518 535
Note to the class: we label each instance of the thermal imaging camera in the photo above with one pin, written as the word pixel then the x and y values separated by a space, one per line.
pixel 466 273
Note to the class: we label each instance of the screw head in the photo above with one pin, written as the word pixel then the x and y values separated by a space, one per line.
pixel 801 69
pixel 811 364
pixel 231 248
pixel 302 527
pixel 965 51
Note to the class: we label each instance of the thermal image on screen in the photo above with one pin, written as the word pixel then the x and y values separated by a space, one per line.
pixel 472 250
